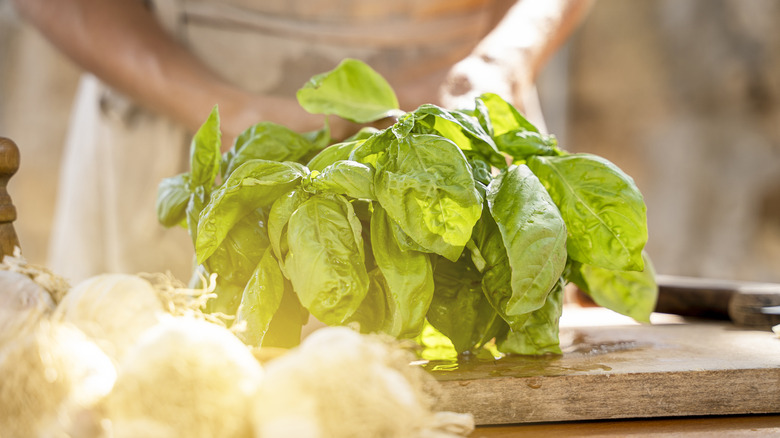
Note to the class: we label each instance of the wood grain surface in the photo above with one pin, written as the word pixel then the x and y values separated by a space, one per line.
pixel 620 370
pixel 688 427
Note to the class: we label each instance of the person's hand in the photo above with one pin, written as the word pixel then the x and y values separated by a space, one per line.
pixel 456 87
pixel 476 75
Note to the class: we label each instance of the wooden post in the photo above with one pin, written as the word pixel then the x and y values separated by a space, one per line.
pixel 9 164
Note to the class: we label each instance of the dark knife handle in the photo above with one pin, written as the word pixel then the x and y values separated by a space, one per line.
pixel 741 302
pixel 697 297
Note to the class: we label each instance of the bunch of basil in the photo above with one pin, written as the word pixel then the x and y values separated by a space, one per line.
pixel 423 222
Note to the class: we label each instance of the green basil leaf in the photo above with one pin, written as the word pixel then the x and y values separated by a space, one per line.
pixel 522 144
pixel 463 130
pixel 255 184
pixel 205 154
pixel 284 331
pixel 403 126
pixel 426 186
pixel 404 241
pixel 498 116
pixel 227 297
pixel 370 151
pixel 237 255
pixel 630 293
pixel 326 261
pixel 488 249
pixel 459 309
pixel 370 316
pixel 265 141
pixel 534 234
pixel 539 334
pixel 279 216
pixel 513 133
pixel 603 209
pixel 235 259
pixel 476 253
pixel 173 195
pixel 353 91
pixel 261 299
pixel 481 169
pixel 196 204
pixel 408 274
pixel 333 153
pixel 346 177
pixel 320 138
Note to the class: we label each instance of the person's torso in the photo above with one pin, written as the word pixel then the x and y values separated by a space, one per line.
pixel 275 46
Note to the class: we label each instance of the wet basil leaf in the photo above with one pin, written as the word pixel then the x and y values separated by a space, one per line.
pixel 235 259
pixel 261 299
pixel 371 315
pixel 197 202
pixel 630 293
pixel 459 309
pixel 426 186
pixel 539 334
pixel 227 297
pixel 481 169
pixel 409 277
pixel 239 252
pixel 284 331
pixel 534 234
pixel 255 184
pixel 370 151
pixel 279 215
pixel 462 129
pixel 326 261
pixel 488 250
pixel 345 177
pixel 603 209
pixel 523 144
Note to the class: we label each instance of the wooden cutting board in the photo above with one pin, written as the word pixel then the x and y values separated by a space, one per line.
pixel 620 369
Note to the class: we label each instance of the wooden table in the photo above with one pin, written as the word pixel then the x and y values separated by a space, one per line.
pixel 728 426
pixel 618 378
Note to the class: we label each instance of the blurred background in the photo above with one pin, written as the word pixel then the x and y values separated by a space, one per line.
pixel 683 95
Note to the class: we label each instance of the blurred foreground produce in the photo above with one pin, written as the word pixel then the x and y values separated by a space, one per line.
pixel 112 309
pixel 22 304
pixel 184 377
pixel 470 221
pixel 174 371
pixel 50 374
pixel 340 383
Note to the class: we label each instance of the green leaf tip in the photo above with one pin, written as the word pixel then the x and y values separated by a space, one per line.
pixel 353 91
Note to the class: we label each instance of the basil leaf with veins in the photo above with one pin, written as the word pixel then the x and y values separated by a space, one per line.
pixel 325 259
pixel 603 209
pixel 533 233
pixel 255 184
pixel 426 186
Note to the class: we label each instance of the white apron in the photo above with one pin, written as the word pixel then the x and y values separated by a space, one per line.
pixel 117 152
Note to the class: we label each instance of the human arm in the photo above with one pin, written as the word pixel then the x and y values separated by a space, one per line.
pixel 121 42
pixel 509 58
